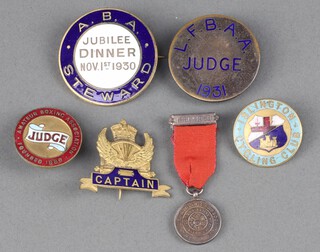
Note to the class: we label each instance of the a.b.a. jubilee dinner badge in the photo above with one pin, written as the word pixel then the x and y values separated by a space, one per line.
pixel 108 57
pixel 124 164
pixel 267 133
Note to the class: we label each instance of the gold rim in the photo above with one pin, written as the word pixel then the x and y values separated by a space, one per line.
pixel 53 166
pixel 289 158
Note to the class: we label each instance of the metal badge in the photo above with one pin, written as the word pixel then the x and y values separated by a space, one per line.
pixel 267 133
pixel 48 137
pixel 124 164
pixel 214 58
pixel 108 57
pixel 193 119
pixel 197 221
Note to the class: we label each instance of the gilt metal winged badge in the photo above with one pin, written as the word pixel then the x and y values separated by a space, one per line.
pixel 124 164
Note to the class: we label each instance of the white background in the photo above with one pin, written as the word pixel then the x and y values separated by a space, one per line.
pixel 262 209
pixel 112 78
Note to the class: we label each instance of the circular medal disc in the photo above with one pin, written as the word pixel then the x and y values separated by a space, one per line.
pixel 267 133
pixel 108 57
pixel 214 58
pixel 197 221
pixel 48 137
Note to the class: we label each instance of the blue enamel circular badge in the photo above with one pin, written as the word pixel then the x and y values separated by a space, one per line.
pixel 108 57
pixel 267 133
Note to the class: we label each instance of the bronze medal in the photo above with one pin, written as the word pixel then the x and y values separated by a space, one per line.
pixel 214 58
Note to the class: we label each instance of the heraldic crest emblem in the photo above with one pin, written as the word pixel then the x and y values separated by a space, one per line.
pixel 267 133
pixel 124 164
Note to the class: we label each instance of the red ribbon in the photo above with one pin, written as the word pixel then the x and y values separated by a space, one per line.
pixel 195 153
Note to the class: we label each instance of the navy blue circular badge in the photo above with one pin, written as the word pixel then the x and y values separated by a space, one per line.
pixel 108 57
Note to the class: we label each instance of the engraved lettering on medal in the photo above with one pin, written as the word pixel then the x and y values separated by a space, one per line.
pixel 197 221
pixel 214 58
pixel 213 91
pixel 211 63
